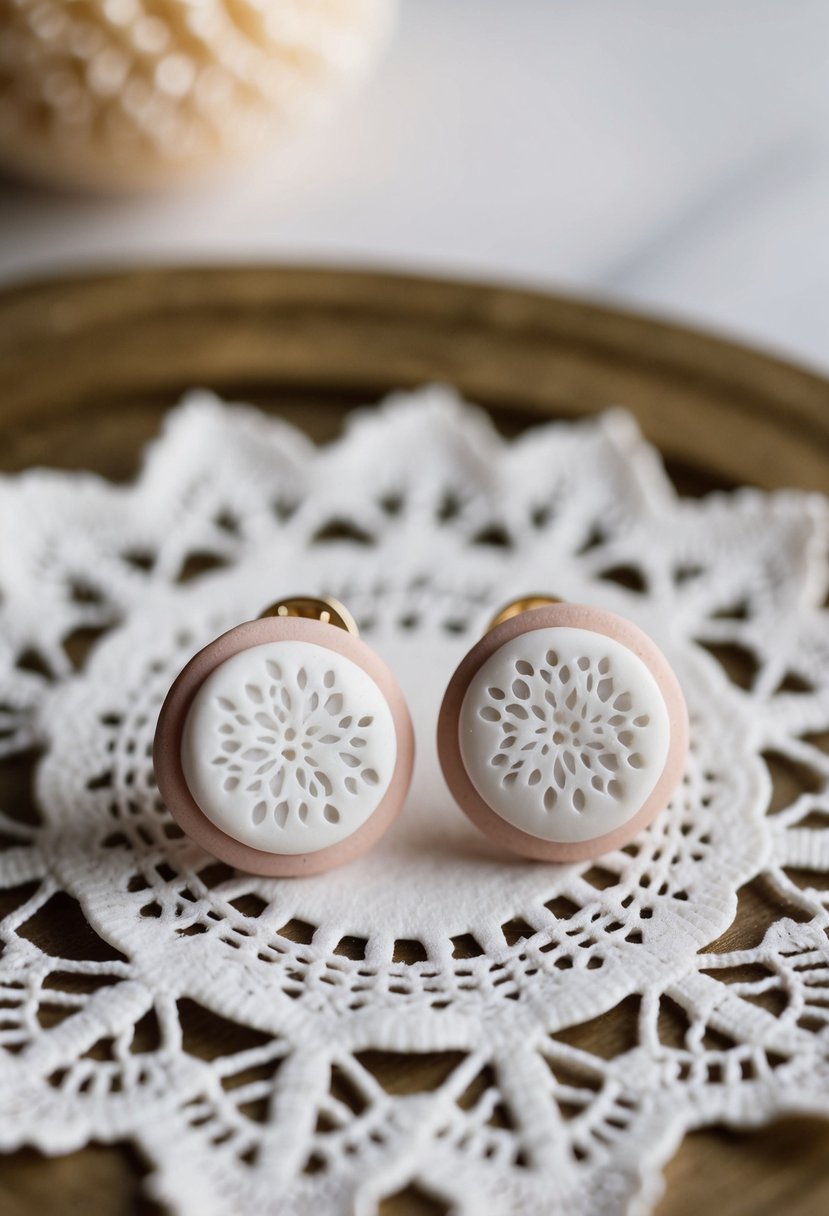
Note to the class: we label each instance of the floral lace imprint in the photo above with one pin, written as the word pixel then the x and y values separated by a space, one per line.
pixel 288 747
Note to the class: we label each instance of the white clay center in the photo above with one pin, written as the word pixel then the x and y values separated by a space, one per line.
pixel 564 733
pixel 289 747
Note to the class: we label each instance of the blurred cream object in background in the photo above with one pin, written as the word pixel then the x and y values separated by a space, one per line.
pixel 125 94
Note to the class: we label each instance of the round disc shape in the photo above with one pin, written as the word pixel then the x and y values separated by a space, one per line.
pixel 284 747
pixel 563 733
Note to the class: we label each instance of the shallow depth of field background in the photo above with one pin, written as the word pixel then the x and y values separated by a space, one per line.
pixel 673 157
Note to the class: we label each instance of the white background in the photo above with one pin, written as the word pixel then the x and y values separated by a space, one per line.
pixel 670 154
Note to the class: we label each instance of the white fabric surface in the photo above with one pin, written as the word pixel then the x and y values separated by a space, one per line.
pixel 297 1120
pixel 673 156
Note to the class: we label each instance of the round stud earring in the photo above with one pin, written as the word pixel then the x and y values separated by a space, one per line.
pixel 563 732
pixel 285 746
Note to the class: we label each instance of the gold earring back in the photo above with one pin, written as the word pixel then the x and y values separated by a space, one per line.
pixel 524 603
pixel 322 608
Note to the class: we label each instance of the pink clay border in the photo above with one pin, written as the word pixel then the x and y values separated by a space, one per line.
pixel 506 835
pixel 167 748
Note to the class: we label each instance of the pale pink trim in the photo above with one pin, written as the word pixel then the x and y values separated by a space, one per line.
pixel 167 748
pixel 574 616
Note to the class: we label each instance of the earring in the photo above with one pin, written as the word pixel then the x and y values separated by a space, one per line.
pixel 285 747
pixel 564 731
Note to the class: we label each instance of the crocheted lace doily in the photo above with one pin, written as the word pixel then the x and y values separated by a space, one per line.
pixel 422 521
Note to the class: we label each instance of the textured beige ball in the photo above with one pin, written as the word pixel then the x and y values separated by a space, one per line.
pixel 129 93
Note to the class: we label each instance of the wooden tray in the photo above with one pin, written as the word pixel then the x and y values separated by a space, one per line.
pixel 88 366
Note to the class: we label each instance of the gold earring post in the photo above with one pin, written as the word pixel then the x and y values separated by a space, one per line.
pixel 322 608
pixel 525 603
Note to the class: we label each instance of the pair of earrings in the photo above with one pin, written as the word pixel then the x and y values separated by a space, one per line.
pixel 285 746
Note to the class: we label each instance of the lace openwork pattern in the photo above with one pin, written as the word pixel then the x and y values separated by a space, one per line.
pixel 572 733
pixel 491 971
pixel 289 747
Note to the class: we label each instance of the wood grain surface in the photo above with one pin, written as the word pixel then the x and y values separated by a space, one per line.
pixel 87 369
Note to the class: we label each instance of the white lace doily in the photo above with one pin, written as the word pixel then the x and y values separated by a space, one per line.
pixel 422 521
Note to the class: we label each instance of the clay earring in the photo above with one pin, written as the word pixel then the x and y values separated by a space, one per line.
pixel 563 732
pixel 285 747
